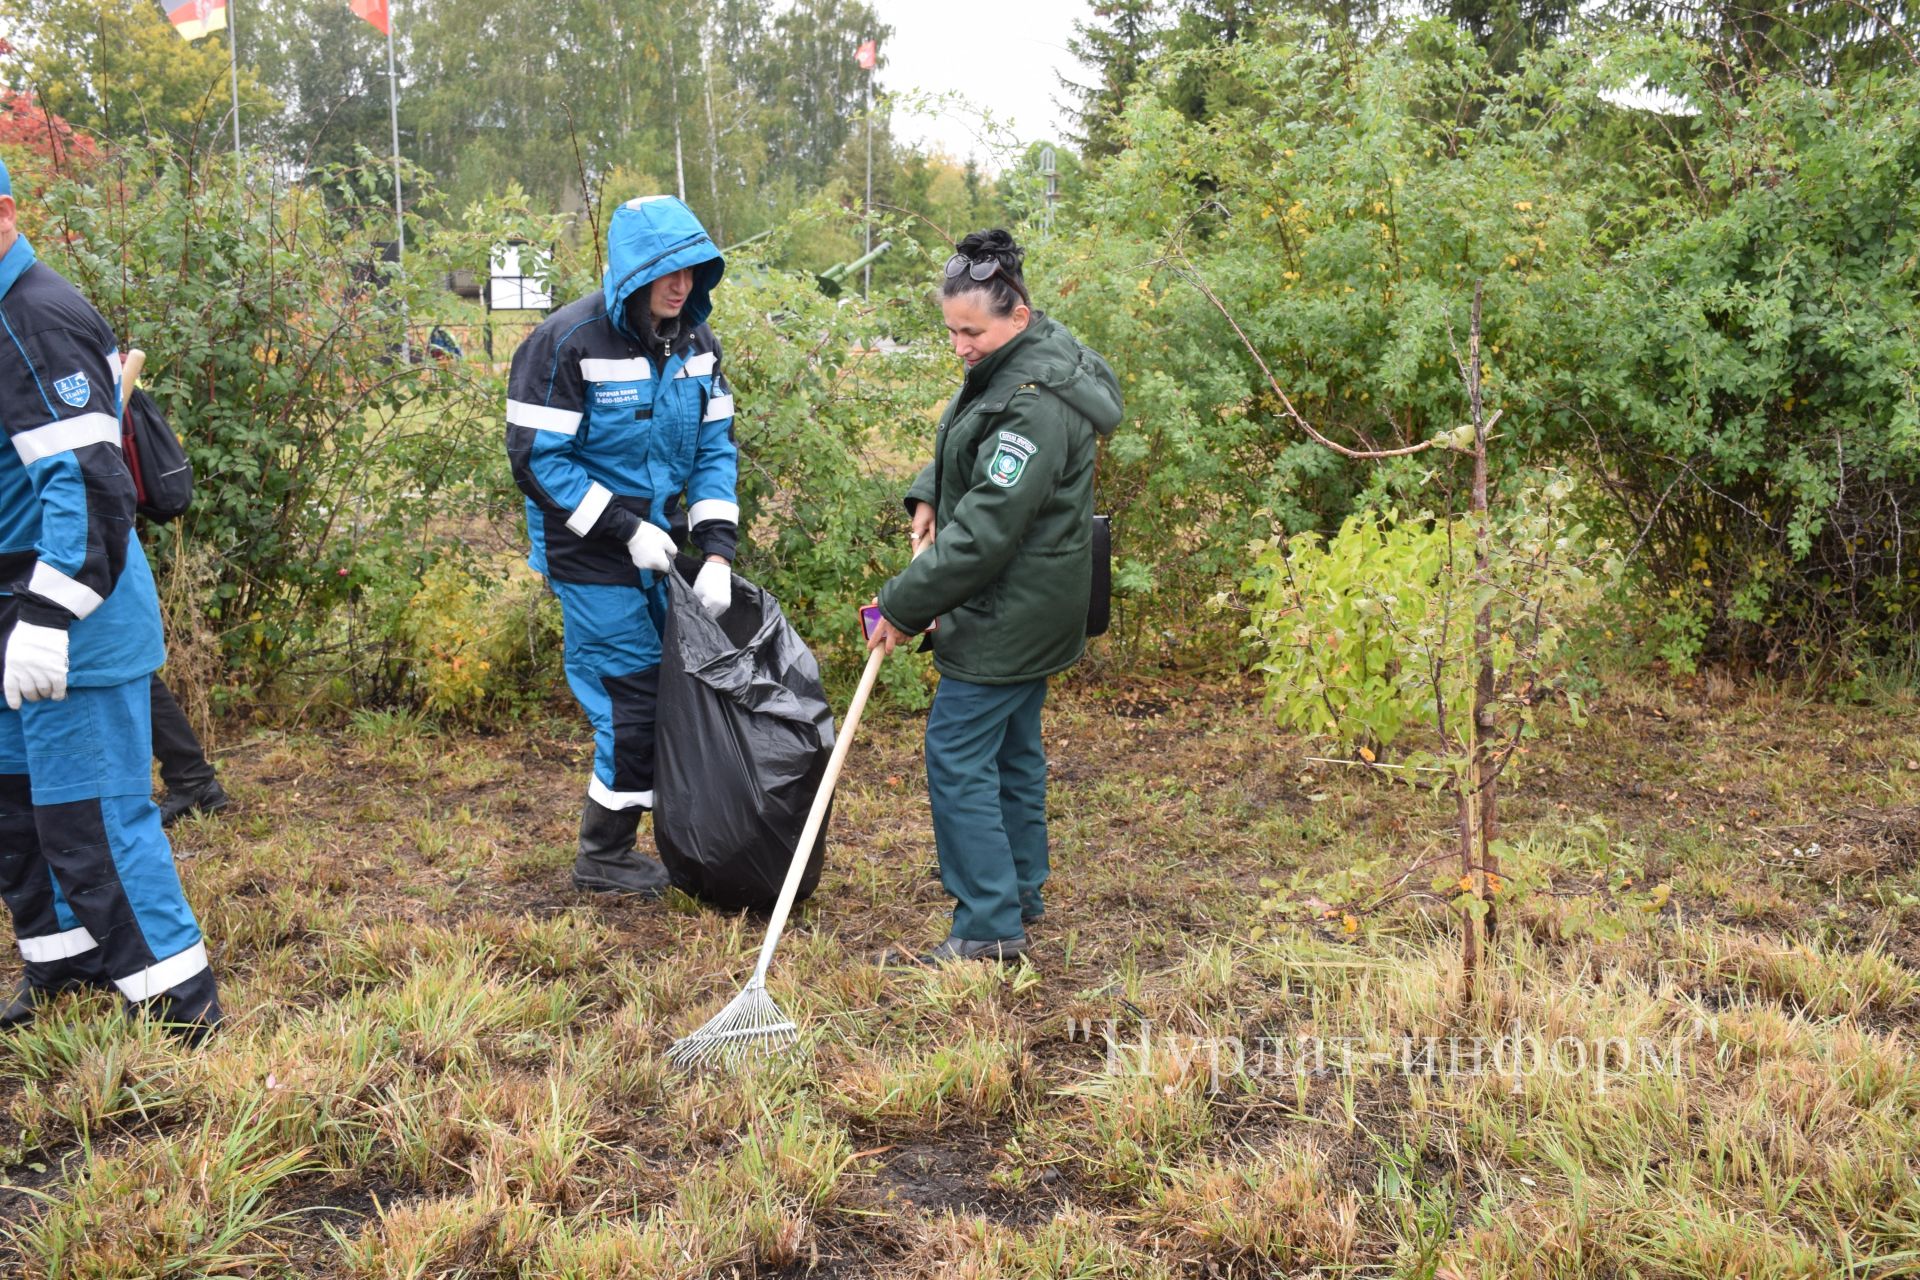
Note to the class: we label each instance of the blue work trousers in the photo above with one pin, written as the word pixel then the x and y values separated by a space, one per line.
pixel 987 781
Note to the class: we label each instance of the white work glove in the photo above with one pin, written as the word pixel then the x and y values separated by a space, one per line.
pixel 36 664
pixel 714 587
pixel 652 548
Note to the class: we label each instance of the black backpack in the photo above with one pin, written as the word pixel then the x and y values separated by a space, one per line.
pixel 162 476
pixel 1100 601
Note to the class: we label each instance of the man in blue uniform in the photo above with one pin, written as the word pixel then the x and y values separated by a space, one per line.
pixel 620 432
pixel 84 867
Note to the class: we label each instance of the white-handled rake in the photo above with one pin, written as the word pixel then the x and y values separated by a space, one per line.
pixel 752 1023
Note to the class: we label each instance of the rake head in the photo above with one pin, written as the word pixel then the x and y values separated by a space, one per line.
pixel 751 1025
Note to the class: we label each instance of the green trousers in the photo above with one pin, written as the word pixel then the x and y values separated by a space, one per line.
pixel 987 780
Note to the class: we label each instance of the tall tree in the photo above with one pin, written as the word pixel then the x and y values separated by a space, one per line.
pixel 1510 29
pixel 809 73
pixel 329 68
pixel 1824 41
pixel 118 68
pixel 1116 45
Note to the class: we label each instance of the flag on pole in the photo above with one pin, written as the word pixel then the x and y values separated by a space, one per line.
pixel 374 11
pixel 868 55
pixel 196 18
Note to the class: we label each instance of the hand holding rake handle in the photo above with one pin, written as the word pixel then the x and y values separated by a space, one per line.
pixel 752 1021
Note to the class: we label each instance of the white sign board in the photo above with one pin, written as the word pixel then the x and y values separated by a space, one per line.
pixel 513 279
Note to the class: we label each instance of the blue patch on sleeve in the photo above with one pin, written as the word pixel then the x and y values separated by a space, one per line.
pixel 75 389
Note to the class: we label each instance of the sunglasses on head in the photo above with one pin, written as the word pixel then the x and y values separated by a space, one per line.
pixel 978 270
pixel 981 270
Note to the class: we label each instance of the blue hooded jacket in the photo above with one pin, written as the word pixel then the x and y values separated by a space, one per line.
pixel 69 557
pixel 607 427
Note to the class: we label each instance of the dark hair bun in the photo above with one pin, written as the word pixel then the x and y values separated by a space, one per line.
pixel 997 244
pixel 1005 288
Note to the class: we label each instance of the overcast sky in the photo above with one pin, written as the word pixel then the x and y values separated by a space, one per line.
pixel 1003 55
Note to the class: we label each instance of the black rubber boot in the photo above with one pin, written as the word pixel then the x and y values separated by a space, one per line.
pixel 189 1012
pixel 175 805
pixel 26 1002
pixel 608 861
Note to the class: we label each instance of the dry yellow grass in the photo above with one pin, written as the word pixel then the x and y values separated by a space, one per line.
pixel 443 1062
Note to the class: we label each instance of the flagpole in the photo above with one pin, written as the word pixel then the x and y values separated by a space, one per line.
pixel 399 212
pixel 866 282
pixel 233 73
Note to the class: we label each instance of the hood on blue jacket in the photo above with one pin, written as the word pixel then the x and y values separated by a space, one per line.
pixel 654 236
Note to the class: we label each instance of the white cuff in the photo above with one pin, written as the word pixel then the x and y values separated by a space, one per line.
pixel 157 979
pixel 57 946
pixel 608 798
pixel 712 509
pixel 590 509
pixel 77 598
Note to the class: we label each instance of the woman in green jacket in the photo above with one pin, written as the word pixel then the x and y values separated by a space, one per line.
pixel 1002 534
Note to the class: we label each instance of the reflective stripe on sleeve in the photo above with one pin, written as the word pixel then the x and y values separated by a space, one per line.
pixel 77 598
pixel 65 435
pixel 719 407
pixel 712 509
pixel 539 417
pixel 588 512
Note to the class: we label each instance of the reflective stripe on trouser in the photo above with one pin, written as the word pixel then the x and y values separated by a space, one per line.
pixel 987 782
pixel 613 667
pixel 86 869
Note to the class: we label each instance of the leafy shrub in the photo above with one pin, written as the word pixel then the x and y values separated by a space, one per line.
pixel 272 331
pixel 1753 398
pixel 1711 316
pixel 479 635
pixel 837 402
pixel 1337 202
pixel 1369 633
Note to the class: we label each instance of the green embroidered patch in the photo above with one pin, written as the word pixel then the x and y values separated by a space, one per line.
pixel 1006 466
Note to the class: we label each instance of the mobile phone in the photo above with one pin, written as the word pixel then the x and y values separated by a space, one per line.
pixel 869 619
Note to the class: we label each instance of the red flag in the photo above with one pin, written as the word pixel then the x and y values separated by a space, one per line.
pixel 196 18
pixel 374 11
pixel 868 55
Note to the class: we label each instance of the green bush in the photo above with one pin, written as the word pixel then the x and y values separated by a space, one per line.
pixel 1710 312
pixel 1754 393
pixel 1369 636
pixel 837 402
pixel 1344 213
pixel 273 331
pixel 480 637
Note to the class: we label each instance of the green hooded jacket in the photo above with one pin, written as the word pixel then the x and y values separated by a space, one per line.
pixel 1011 485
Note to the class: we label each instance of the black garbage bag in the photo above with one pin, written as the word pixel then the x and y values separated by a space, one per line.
pixel 743 741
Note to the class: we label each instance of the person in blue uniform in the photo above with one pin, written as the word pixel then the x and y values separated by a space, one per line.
pixel 85 869
pixel 620 433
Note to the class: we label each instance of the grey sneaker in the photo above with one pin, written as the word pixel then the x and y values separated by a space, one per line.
pixel 999 949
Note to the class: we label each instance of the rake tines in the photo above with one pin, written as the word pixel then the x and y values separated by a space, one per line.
pixel 752 1023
